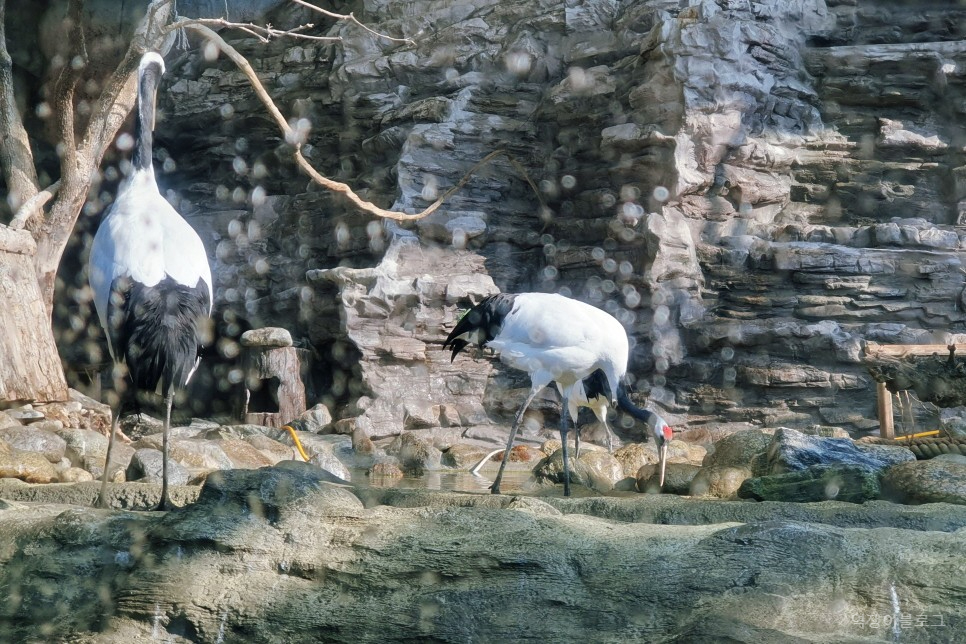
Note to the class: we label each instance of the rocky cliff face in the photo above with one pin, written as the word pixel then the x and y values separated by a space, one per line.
pixel 753 189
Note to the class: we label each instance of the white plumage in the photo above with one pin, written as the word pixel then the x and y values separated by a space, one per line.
pixel 562 340
pixel 150 276
pixel 144 238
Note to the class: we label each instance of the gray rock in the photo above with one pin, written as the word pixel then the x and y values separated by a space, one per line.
pixel 146 466
pixel 792 451
pixel 929 481
pixel 75 475
pixel 595 469
pixel 463 456
pixel 317 418
pixel 721 481
pixel 258 517
pixel 266 337
pixel 385 472
pixel 738 449
pixel 34 439
pixel 633 456
pixel 274 450
pixel 415 454
pixel 31 467
pixel 328 462
pixel 25 415
pixel 840 482
pixel 6 420
pixel 243 455
pixel 677 478
pixel 87 449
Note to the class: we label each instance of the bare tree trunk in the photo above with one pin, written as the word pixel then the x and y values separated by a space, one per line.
pixel 30 368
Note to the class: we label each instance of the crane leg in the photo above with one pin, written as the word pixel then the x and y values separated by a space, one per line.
pixel 495 488
pixel 563 439
pixel 576 440
pixel 610 441
pixel 165 503
pixel 102 496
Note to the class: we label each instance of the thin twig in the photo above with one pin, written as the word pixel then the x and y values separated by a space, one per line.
pixel 263 33
pixel 351 18
pixel 338 186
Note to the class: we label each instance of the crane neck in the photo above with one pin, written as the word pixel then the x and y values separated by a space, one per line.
pixel 149 76
pixel 624 402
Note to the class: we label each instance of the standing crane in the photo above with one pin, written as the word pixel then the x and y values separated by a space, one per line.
pixel 150 277
pixel 561 340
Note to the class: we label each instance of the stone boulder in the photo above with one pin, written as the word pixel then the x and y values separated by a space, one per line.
pixel 738 449
pixel 464 456
pixel 596 469
pixel 316 419
pixel 721 481
pixel 260 550
pixel 634 456
pixel 266 337
pixel 791 451
pixel 677 478
pixel 31 467
pixel 415 454
pixel 146 466
pixel 852 483
pixel 33 439
pixel 931 481
pixel 385 473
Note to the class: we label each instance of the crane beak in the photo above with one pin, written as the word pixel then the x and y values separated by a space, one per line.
pixel 663 453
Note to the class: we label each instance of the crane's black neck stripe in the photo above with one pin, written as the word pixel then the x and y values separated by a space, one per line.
pixel 624 402
pixel 482 323
pixel 157 329
pixel 148 79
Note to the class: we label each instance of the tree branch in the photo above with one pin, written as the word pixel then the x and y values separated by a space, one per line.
pixel 351 18
pixel 262 33
pixel 63 98
pixel 16 158
pixel 336 186
pixel 34 205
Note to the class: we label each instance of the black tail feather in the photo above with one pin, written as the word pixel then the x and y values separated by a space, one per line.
pixel 486 318
pixel 596 386
pixel 158 330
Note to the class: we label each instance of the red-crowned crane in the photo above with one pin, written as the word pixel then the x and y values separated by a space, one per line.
pixel 150 277
pixel 562 340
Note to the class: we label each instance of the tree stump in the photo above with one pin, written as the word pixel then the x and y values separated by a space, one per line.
pixel 274 391
pixel 30 369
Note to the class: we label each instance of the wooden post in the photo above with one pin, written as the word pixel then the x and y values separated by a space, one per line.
pixel 886 428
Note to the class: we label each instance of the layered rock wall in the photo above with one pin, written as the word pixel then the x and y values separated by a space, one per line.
pixel 752 188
